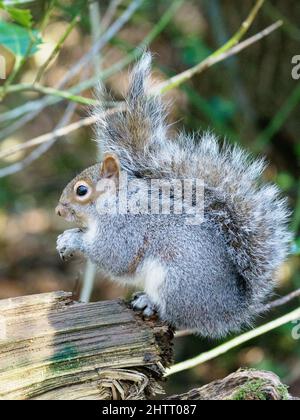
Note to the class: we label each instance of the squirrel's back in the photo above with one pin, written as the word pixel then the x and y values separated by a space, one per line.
pixel 250 215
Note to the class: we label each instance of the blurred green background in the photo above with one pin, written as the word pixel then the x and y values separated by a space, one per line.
pixel 251 99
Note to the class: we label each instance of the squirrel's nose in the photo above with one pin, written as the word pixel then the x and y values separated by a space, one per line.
pixel 60 210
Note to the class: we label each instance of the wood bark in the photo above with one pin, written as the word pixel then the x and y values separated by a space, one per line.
pixel 246 385
pixel 52 347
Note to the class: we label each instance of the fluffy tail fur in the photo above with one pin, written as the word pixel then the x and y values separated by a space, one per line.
pixel 139 131
pixel 251 216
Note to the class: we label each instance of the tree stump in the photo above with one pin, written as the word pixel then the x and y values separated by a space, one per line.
pixel 245 385
pixel 54 348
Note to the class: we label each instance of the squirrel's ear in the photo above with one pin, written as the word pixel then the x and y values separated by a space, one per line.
pixel 110 167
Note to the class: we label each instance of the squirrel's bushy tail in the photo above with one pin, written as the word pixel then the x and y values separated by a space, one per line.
pixel 249 215
pixel 139 131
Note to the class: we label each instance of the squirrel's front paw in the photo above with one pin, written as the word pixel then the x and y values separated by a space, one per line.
pixel 68 243
pixel 141 302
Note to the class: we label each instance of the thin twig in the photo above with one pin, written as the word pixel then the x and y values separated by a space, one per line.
pixel 109 14
pixel 168 84
pixel 89 277
pixel 96 29
pixel 43 148
pixel 107 36
pixel 21 87
pixel 161 88
pixel 38 105
pixel 282 301
pixel 59 132
pixel 47 15
pixel 88 282
pixel 20 62
pixel 214 59
pixel 57 48
pixel 235 39
pixel 224 348
pixel 221 54
pixel 163 22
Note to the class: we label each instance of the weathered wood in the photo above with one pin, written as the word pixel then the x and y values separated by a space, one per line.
pixel 241 385
pixel 54 348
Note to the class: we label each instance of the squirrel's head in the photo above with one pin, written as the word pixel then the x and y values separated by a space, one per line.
pixel 78 200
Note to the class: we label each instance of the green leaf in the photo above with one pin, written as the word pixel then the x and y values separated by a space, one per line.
pixel 21 16
pixel 20 41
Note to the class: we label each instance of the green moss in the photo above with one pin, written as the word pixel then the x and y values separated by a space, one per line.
pixel 283 391
pixel 66 359
pixel 254 390
pixel 251 390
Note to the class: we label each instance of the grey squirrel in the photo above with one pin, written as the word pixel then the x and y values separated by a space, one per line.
pixel 213 276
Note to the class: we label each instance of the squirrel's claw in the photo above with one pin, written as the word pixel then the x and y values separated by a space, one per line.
pixel 64 255
pixel 67 244
pixel 141 302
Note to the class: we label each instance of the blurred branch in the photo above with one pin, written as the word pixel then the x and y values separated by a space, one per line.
pixel 215 11
pixel 57 48
pixel 88 282
pixel 47 16
pixel 20 61
pixel 235 39
pixel 160 88
pixel 168 84
pixel 21 87
pixel 109 14
pixel 56 133
pixel 43 148
pixel 96 30
pixel 90 268
pixel 180 78
pixel 38 105
pixel 214 59
pixel 16 2
pixel 48 138
pixel 282 301
pixel 165 86
pixel 228 49
pixel 158 28
pixel 224 348
pixel 105 38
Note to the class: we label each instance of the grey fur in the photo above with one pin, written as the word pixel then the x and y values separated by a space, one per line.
pixel 218 273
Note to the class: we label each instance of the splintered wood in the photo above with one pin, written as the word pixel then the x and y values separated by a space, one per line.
pixel 54 348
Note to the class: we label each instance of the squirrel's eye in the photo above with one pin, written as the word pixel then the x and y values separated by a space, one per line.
pixel 82 190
